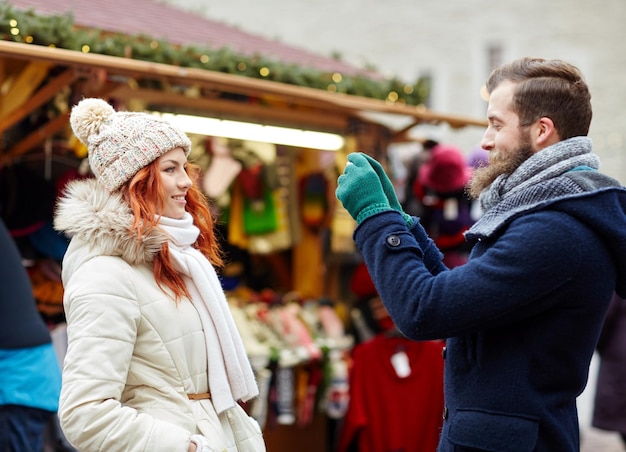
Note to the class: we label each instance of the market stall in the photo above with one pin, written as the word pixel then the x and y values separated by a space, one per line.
pixel 289 243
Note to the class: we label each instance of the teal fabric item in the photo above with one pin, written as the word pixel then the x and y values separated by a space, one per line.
pixel 583 168
pixel 30 377
pixel 359 189
pixel 390 191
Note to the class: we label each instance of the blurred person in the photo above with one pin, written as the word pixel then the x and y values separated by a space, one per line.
pixel 522 317
pixel 368 314
pixel 609 409
pixel 411 203
pixel 446 212
pixel 154 359
pixel 29 370
pixel 478 158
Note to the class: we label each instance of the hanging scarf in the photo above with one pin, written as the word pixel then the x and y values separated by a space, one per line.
pixel 230 374
pixel 549 175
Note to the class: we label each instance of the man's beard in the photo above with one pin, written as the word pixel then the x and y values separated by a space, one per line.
pixel 484 176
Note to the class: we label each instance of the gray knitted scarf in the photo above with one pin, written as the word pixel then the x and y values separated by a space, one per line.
pixel 565 169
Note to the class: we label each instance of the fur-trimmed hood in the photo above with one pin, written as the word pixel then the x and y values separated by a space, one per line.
pixel 89 212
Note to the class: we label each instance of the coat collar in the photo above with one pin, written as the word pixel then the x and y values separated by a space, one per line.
pixel 103 220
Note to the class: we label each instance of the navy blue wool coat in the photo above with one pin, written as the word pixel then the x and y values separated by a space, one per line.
pixel 521 318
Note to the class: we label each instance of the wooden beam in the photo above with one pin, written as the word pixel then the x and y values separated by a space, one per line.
pixel 42 96
pixel 36 137
pixel 22 87
pixel 328 120
pixel 348 104
pixel 402 134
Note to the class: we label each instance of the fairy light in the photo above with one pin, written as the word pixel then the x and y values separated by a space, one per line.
pixel 264 72
pixel 204 59
pixel 331 88
pixel 392 96
pixel 85 48
pixel 337 77
pixel 241 66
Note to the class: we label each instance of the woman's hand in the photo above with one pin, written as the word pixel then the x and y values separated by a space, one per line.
pixel 199 444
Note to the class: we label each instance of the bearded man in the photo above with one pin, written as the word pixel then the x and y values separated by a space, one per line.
pixel 522 317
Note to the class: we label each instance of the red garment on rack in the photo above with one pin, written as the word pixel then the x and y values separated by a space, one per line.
pixel 389 413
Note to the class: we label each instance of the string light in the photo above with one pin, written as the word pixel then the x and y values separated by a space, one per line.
pixel 392 96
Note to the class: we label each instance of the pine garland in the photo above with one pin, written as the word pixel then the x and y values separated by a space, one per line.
pixel 60 31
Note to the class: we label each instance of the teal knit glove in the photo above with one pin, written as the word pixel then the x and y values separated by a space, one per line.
pixel 359 189
pixel 389 190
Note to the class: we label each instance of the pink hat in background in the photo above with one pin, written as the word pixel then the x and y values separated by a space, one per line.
pixel 446 171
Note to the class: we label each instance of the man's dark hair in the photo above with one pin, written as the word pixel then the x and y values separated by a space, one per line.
pixel 547 88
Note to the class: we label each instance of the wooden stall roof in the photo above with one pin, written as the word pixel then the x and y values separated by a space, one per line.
pixel 179 27
pixel 31 75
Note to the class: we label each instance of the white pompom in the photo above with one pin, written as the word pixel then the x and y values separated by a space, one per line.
pixel 88 116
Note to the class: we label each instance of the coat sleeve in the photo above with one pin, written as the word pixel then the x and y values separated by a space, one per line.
pixel 431 255
pixel 513 278
pixel 103 317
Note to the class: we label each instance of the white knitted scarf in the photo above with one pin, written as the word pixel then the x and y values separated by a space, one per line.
pixel 230 374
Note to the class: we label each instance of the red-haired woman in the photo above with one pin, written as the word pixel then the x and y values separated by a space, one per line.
pixel 154 360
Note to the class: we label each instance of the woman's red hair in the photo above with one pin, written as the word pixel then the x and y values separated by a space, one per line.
pixel 145 195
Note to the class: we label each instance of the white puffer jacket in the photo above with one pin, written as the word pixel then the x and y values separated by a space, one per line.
pixel 133 354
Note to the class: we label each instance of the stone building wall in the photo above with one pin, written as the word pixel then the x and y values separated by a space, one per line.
pixel 454 42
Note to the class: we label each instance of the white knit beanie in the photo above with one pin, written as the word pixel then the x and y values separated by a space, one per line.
pixel 121 143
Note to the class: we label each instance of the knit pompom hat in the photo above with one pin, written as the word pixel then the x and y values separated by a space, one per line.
pixel 121 143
